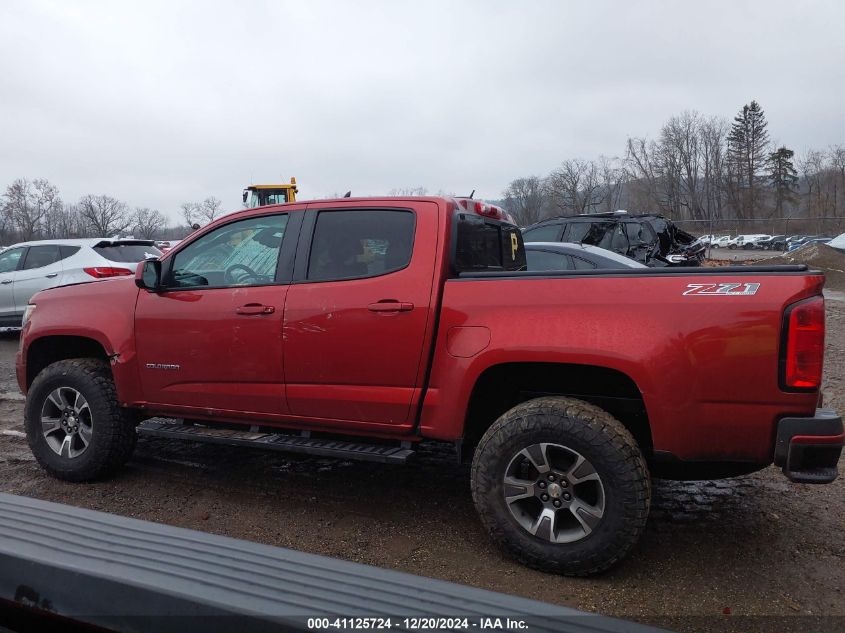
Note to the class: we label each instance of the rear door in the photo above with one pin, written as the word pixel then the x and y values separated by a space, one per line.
pixel 41 268
pixel 10 261
pixel 357 314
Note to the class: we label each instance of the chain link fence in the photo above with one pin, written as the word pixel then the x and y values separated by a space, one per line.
pixel 830 226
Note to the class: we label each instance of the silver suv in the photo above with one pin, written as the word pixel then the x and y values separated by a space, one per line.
pixel 28 267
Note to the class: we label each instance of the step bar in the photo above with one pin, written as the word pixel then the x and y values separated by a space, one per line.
pixel 339 449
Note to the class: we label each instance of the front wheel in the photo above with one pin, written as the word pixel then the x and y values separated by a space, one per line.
pixel 562 486
pixel 75 426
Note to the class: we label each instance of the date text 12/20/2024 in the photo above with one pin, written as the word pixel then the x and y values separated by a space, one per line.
pixel 418 623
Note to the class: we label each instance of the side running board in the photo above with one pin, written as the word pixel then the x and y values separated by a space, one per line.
pixel 278 442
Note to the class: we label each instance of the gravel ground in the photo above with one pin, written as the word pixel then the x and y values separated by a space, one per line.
pixel 754 553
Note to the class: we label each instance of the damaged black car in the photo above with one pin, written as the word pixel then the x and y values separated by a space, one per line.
pixel 648 238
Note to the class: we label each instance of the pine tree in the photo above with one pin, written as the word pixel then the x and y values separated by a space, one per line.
pixel 748 141
pixel 783 177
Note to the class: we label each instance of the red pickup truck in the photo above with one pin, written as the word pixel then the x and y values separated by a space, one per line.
pixel 358 327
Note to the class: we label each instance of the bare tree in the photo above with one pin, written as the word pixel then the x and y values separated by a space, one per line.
pixel 575 186
pixel 206 211
pixel 408 191
pixel 190 211
pixel 106 216
pixel 681 153
pixel 68 222
pixel 28 204
pixel 644 167
pixel 525 200
pixel 837 163
pixel 209 209
pixel 63 222
pixel 613 177
pixel 148 222
pixel 713 132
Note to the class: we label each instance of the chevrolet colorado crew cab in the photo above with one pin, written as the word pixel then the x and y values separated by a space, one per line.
pixel 358 327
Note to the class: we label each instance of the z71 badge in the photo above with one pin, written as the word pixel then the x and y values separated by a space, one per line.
pixel 722 290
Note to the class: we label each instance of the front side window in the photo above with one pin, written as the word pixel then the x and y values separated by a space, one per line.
pixel 9 260
pixel 40 256
pixel 360 243
pixel 243 253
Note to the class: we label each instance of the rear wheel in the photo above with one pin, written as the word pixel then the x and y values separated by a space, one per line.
pixel 74 425
pixel 562 486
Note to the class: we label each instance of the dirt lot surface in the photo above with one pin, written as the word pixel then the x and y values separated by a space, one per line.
pixel 750 554
pixel 817 256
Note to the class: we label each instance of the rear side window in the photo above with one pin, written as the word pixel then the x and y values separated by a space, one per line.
pixel 485 244
pixel 127 252
pixel 545 233
pixel 360 243
pixel 545 260
pixel 40 256
pixel 68 251
pixel 577 231
pixel 582 264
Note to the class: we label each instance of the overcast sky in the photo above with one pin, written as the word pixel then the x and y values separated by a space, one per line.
pixel 157 103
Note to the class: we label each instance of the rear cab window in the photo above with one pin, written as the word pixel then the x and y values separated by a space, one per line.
pixel 486 244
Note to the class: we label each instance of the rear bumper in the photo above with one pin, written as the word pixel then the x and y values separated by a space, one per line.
pixel 808 449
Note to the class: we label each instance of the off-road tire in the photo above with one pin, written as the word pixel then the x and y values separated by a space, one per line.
pixel 113 437
pixel 611 450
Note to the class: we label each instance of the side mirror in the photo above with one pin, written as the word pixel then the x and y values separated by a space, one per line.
pixel 148 275
pixel 246 193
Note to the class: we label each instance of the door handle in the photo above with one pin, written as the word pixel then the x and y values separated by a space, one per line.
pixel 391 306
pixel 51 275
pixel 6 281
pixel 255 308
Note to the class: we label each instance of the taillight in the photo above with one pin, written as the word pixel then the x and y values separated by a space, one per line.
pixel 103 272
pixel 803 355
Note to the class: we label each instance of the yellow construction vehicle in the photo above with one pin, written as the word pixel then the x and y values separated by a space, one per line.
pixel 262 195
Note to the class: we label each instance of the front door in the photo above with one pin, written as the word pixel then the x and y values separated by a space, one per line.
pixel 357 315
pixel 41 268
pixel 10 261
pixel 211 340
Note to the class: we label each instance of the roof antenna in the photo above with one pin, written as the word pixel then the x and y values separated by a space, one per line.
pixel 348 194
pixel 472 194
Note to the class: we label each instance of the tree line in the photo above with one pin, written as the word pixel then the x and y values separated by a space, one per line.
pixel 33 209
pixel 699 168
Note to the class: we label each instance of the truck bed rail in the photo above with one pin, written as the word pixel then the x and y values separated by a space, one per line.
pixel 128 575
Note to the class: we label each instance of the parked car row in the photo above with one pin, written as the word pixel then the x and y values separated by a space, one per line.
pixel 762 241
pixel 28 267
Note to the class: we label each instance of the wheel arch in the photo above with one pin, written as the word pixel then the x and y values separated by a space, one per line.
pixel 47 350
pixel 501 387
